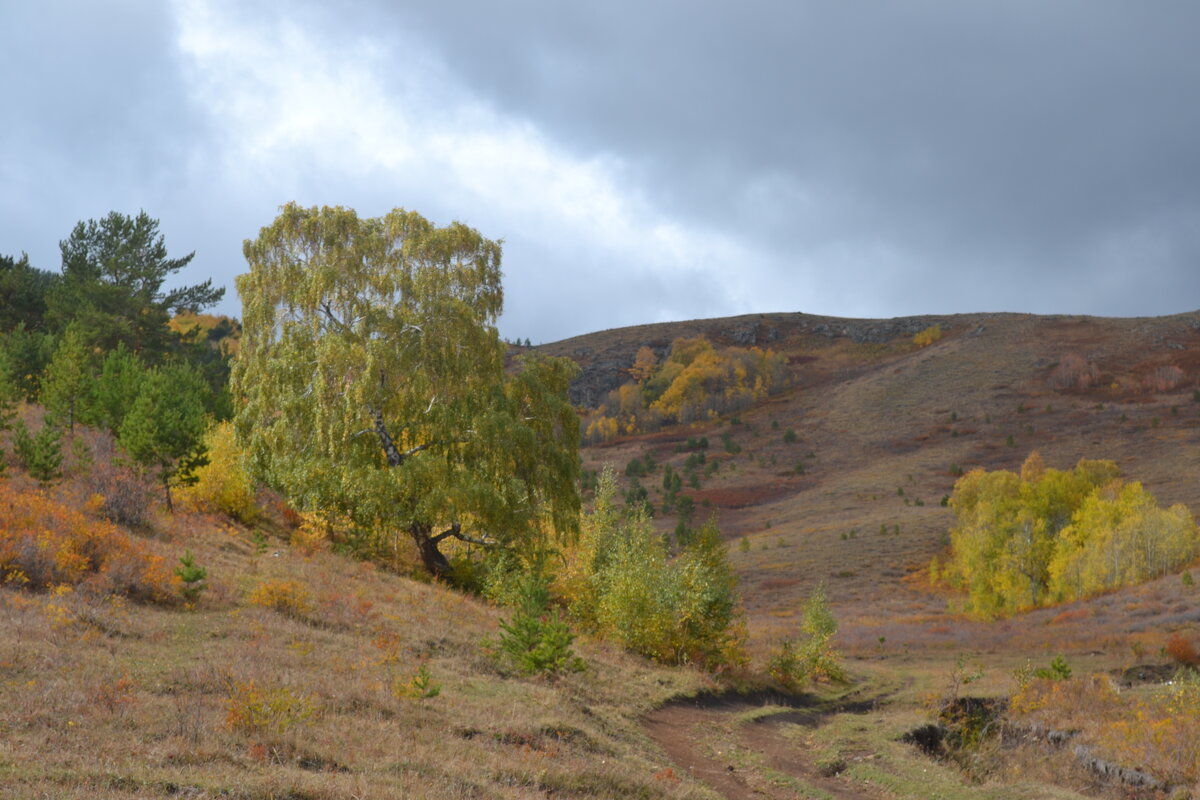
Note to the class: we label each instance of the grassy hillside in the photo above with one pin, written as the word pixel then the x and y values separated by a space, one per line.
pixel 323 687
pixel 882 429
pixel 339 680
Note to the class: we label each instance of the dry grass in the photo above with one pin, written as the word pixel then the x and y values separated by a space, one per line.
pixel 871 419
pixel 305 689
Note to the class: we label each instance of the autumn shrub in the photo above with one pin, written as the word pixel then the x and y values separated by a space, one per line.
pixel 288 597
pixel 44 543
pixel 620 582
pixel 1180 649
pixel 1156 729
pixel 254 710
pixel 127 496
pixel 224 484
pixel 810 656
pixel 1073 372
pixel 928 336
pixel 312 535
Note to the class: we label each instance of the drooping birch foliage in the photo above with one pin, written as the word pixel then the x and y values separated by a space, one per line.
pixel 371 383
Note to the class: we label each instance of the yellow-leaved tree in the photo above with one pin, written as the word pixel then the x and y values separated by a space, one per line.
pixel 223 485
pixel 371 383
pixel 1047 535
pixel 620 581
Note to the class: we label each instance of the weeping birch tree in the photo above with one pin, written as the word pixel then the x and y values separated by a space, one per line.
pixel 371 382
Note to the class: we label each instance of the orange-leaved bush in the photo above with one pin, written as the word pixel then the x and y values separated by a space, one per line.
pixel 287 597
pixel 44 543
pixel 1157 729
pixel 1180 649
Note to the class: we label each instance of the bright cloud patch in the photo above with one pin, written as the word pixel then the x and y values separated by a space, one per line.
pixel 308 113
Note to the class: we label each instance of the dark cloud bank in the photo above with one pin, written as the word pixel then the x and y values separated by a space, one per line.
pixel 877 160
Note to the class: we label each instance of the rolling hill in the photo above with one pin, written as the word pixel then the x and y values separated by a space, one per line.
pixel 883 427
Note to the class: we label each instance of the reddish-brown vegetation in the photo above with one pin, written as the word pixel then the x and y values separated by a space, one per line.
pixel 1181 650
pixel 44 543
pixel 1165 378
pixel 1073 373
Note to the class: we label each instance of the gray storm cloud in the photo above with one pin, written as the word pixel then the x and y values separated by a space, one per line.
pixel 643 161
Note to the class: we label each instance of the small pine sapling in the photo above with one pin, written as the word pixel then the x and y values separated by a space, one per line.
pixel 192 576
pixel 1058 670
pixel 421 686
pixel 41 454
pixel 535 640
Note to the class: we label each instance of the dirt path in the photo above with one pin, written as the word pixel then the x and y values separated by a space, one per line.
pixel 740 748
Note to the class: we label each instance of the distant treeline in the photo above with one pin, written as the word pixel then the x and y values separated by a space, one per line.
pixel 695 381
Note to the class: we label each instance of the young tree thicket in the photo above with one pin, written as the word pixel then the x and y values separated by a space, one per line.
pixel 695 381
pixel 81 342
pixel 620 581
pixel 372 384
pixel 811 655
pixel 1048 536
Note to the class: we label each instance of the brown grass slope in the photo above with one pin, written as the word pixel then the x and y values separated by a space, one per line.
pixel 882 426
pixel 309 698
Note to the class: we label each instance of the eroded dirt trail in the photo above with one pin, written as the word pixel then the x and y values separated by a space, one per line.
pixel 749 749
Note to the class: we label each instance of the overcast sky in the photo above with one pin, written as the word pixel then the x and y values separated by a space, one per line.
pixel 642 161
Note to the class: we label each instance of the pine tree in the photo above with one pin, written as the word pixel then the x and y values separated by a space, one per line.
pixel 10 392
pixel 67 382
pixel 164 429
pixel 117 388
pixel 41 454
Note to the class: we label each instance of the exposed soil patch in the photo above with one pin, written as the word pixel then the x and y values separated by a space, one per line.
pixel 1144 673
pixel 710 736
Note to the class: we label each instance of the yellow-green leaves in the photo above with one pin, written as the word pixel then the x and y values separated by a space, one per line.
pixel 1054 535
pixel 371 382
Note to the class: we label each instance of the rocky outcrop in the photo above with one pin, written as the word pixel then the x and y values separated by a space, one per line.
pixel 875 331
pixel 598 377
